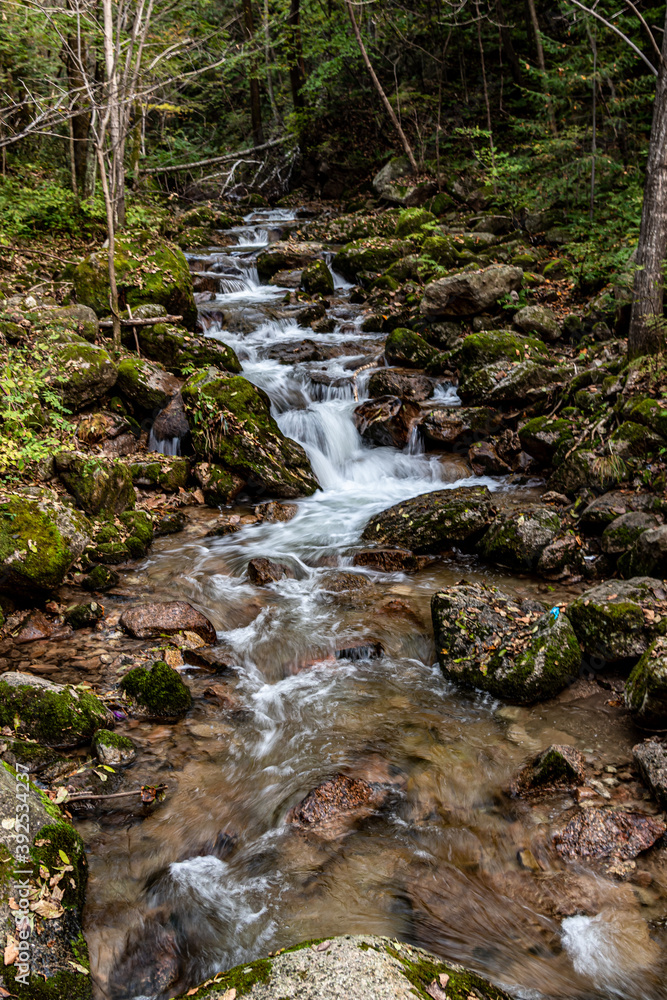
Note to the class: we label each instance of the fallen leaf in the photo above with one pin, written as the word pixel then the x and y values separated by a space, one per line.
pixel 80 968
pixel 11 950
pixel 436 991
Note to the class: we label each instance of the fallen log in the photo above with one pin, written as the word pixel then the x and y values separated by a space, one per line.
pixel 107 324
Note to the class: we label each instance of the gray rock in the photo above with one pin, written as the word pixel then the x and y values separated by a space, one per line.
pixel 646 687
pixel 618 536
pixel 400 382
pixel 517 539
pixel 520 384
pixel 618 619
pixel 395 182
pixel 651 759
pixel 433 522
pixel 647 556
pixel 471 292
pixel 539 320
pixel 605 509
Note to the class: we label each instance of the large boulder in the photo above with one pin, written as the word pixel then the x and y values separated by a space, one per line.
pixel 82 373
pixel 387 421
pixel 647 555
pixel 146 271
pixel 479 349
pixel 231 423
pixel 651 759
pixel 511 648
pixel 646 687
pixel 52 714
pixel 40 539
pixel 618 619
pixel 538 320
pixel 45 952
pixel 399 382
pixel 99 485
pixel 374 254
pixel 471 292
pixel 116 540
pixel 604 509
pixel 181 352
pixel 396 183
pixel 292 256
pixel 517 539
pixel 78 319
pixel 317 279
pixel 543 436
pixel 518 383
pixel 146 385
pixel 458 427
pixel 408 349
pixel 433 522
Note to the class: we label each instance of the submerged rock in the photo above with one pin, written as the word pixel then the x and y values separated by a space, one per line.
pixel 53 714
pixel 150 621
pixel 433 522
pixel 651 759
pixel 646 687
pixel 262 572
pixel 391 560
pixel 557 767
pixel 156 693
pixel 618 619
pixel 333 808
pixel 488 640
pixel 603 833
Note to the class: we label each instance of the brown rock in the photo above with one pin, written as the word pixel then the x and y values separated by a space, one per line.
pixel 557 767
pixel 392 560
pixel 339 583
pixel 400 382
pixel 332 808
pixel 150 621
pixel 387 420
pixel 262 572
pixel 601 833
pixel 275 511
pixel 486 461
pixel 35 626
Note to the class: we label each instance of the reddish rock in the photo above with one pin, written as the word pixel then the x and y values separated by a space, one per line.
pixel 332 808
pixel 262 572
pixel 392 560
pixel 387 420
pixel 36 626
pixel 486 461
pixel 150 621
pixel 275 511
pixel 602 833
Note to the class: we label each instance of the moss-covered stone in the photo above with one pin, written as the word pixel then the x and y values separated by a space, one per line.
pixel 537 320
pixel 519 384
pixel 411 220
pixel 77 319
pixel 442 249
pixel 542 437
pixel 54 715
pixel 646 687
pixel 410 268
pixel 407 349
pixel 579 470
pixel 169 474
pixel 647 555
pixel 290 256
pixel 181 352
pixel 40 539
pixel 618 620
pixel 101 579
pixel 433 522
pixel 145 384
pixel 158 692
pixel 516 539
pixel 232 424
pixel 478 349
pixel 84 615
pixel 146 271
pixel 100 485
pixel 82 373
pixel 618 536
pixel 633 440
pixel 650 412
pixel 218 485
pixel 373 255
pixel 113 749
pixel 129 536
pixel 486 639
pixel 317 279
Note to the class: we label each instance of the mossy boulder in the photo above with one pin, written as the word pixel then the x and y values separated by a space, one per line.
pixel 231 424
pixel 54 715
pixel 619 619
pixel 407 349
pixel 618 536
pixel 147 271
pixel 180 351
pixel 470 292
pixel 56 962
pixel 517 539
pixel 647 555
pixel 164 473
pixel 78 319
pixel 409 268
pixel 99 485
pixel 633 440
pixel 433 522
pixel 511 648
pixel 580 470
pixel 317 279
pixel 358 967
pixel 40 539
pixel 512 383
pixel 113 749
pixel 650 412
pixel 542 437
pixel 374 255
pixel 478 349
pixel 646 687
pixel 156 693
pixel 537 320
pixel 442 249
pixel 85 615
pixel 218 485
pixel 82 373
pixel 411 220
pixel 100 579
pixel 146 385
pixel 290 256
pixel 127 536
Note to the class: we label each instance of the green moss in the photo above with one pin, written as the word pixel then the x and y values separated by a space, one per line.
pixel 100 485
pixel 180 352
pixel 54 718
pixel 486 348
pixel 411 220
pixel 66 983
pixel 107 738
pixel 139 381
pixel 317 279
pixel 649 412
pixel 646 687
pixel 442 250
pixel 100 578
pixel 373 255
pixel 241 978
pixel 44 556
pixel 82 372
pixel 165 475
pixel 421 970
pixel 407 349
pixel 636 439
pixel 159 690
pixel 54 839
pixel 543 436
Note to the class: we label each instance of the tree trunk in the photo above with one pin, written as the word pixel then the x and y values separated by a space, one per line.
pixel 540 59
pixel 255 100
pixel 297 72
pixel 75 57
pixel 117 189
pixel 647 333
pixel 111 253
pixel 378 86
pixel 508 47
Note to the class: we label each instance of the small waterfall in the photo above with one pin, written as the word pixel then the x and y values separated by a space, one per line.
pixel 167 446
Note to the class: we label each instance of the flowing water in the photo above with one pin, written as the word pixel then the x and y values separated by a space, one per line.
pixel 439 865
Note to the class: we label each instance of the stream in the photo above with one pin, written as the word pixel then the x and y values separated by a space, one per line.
pixel 216 868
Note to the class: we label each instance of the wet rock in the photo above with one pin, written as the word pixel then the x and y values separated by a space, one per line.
pixel 606 508
pixel 335 806
pixel 601 833
pixel 180 351
pixel 164 473
pixel 53 923
pixel 274 511
pixel 517 539
pixel 101 579
pixel 261 572
pixel 486 461
pixel 128 536
pixel 519 384
pixel 391 560
pixel 618 536
pixel 34 627
pixel 81 372
pixel 647 556
pixel 286 257
pixel 433 522
pixel 286 279
pixel 170 523
pixel 471 292
pixel 646 687
pixel 112 749
pixel 557 767
pixel 145 384
pixel 100 485
pixel 171 423
pixel 485 639
pixel 357 968
pixel 618 620
pixel 341 583
pixel 651 759
pixel 151 961
pixel 310 314
pixel 543 436
pixel 399 382
pixel 538 320
pixel 562 557
pixel 150 621
pixel 53 714
pixel 156 693
pixel 43 762
pixel 216 659
pixel 84 615
pixel 407 349
pixel 237 429
pixel 387 420
pixel 459 426
pixel 40 539
pixel 317 279
pixel 374 255
pixel 218 485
